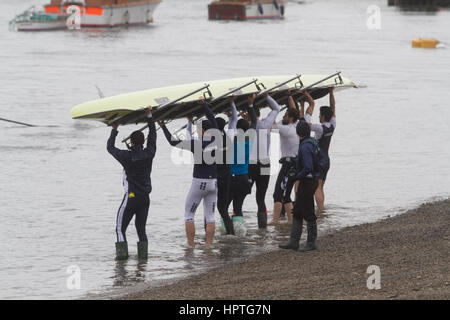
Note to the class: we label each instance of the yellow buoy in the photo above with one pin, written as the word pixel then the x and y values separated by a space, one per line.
pixel 424 43
pixel 417 43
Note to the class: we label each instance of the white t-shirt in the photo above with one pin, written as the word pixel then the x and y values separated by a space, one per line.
pixel 260 150
pixel 317 127
pixel 289 140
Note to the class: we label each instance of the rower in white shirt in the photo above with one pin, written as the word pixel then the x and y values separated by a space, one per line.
pixel 289 144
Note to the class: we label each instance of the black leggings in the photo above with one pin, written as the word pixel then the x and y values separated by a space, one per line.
pixel 262 183
pixel 239 189
pixel 223 193
pixel 135 205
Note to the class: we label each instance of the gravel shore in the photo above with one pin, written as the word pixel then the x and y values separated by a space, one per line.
pixel 411 250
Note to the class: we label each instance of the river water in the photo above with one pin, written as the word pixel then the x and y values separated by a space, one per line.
pixel 60 189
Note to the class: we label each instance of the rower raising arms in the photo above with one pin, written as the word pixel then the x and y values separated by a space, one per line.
pixel 289 147
pixel 137 167
pixel 323 133
pixel 259 168
pixel 223 168
pixel 240 185
pixel 204 181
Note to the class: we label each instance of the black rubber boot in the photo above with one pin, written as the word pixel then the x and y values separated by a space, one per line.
pixel 296 234
pixel 121 250
pixel 142 250
pixel 229 227
pixel 312 236
pixel 262 220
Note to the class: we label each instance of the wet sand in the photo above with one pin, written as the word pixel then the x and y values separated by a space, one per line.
pixel 412 251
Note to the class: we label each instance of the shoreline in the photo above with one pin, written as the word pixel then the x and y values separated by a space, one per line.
pixel 411 250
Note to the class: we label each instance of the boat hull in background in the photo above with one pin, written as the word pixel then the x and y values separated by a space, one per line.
pixel 41 25
pixel 247 10
pixel 98 14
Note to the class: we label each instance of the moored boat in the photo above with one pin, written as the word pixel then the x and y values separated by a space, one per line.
pixel 108 13
pixel 246 9
pixel 38 20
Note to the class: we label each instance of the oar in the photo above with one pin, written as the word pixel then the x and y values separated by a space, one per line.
pixel 17 122
pixel 168 104
pixel 280 85
pixel 338 74
pixel 306 88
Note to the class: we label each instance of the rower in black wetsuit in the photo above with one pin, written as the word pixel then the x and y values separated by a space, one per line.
pixel 137 165
pixel 323 133
pixel 223 167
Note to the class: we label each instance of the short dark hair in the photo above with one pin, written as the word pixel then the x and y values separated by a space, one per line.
pixel 220 123
pixel 243 124
pixel 293 113
pixel 206 125
pixel 137 138
pixel 326 112
pixel 303 129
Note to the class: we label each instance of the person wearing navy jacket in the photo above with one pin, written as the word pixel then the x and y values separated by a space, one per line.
pixel 204 181
pixel 306 173
pixel 137 165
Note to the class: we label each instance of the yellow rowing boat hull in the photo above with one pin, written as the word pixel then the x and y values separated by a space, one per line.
pixel 116 108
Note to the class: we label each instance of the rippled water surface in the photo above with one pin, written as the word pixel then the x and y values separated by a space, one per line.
pixel 60 189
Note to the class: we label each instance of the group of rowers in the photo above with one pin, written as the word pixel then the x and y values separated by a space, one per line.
pixel 228 162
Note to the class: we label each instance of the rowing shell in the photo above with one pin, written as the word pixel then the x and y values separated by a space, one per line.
pixel 180 101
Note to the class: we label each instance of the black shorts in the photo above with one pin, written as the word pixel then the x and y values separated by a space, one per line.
pixel 304 204
pixel 284 184
pixel 322 175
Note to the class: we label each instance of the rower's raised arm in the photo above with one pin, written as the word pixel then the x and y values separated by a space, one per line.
pixel 233 117
pixel 270 119
pixel 273 104
pixel 209 114
pixel 151 139
pixel 189 129
pixel 252 113
pixel 311 103
pixel 302 109
pixel 332 102
pixel 291 103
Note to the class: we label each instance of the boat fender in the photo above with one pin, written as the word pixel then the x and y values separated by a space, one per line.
pixel 275 4
pixel 282 10
pixel 260 8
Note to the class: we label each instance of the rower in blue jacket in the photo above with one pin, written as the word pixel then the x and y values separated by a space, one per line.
pixel 306 172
